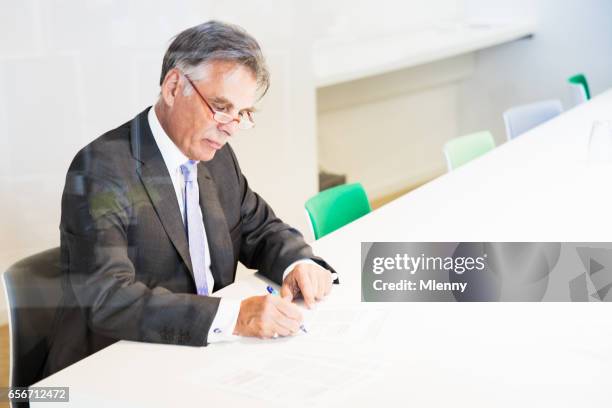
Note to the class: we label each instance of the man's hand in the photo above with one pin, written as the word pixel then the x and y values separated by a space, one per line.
pixel 268 316
pixel 311 281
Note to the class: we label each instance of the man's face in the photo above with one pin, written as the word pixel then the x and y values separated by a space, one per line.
pixel 227 86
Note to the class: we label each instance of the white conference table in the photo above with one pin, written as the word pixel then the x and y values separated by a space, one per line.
pixel 538 187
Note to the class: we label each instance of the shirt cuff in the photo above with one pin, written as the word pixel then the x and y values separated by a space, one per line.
pixel 224 323
pixel 296 263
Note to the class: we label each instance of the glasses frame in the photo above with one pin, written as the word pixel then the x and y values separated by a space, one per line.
pixel 244 122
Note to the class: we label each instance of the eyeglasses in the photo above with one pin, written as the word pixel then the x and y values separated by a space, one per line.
pixel 244 119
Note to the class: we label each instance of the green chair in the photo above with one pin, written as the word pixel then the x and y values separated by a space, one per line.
pixel 579 87
pixel 336 207
pixel 461 150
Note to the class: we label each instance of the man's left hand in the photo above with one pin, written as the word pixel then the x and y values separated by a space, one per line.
pixel 311 281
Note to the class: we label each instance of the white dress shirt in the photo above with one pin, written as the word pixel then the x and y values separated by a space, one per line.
pixel 223 324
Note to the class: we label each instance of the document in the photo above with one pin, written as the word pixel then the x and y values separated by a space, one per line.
pixel 344 324
pixel 308 369
pixel 308 378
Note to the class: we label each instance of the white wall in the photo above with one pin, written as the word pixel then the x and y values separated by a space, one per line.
pixel 353 19
pixel 572 36
pixel 391 140
pixel 72 69
pixel 394 139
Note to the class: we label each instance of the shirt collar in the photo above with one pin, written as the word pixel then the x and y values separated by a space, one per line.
pixel 171 154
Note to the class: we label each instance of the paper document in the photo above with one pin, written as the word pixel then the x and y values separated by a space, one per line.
pixel 305 379
pixel 344 324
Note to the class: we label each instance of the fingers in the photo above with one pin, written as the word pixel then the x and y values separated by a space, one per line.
pixel 307 288
pixel 311 281
pixel 324 284
pixel 320 281
pixel 285 317
pixel 287 290
pixel 267 317
pixel 271 316
pixel 285 326
pixel 288 309
pixel 327 286
pixel 314 278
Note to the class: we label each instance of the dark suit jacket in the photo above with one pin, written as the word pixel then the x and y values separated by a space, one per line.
pixel 128 272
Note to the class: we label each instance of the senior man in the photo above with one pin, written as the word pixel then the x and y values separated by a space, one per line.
pixel 156 214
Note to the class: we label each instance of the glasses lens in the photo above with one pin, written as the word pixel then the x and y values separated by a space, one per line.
pixel 245 124
pixel 223 118
pixel 246 121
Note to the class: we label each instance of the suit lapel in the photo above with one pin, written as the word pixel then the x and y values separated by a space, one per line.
pixel 154 176
pixel 217 231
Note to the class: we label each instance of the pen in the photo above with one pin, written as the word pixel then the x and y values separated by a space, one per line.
pixel 274 292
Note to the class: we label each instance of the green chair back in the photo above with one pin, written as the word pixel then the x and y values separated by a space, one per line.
pixel 580 80
pixel 461 150
pixel 336 207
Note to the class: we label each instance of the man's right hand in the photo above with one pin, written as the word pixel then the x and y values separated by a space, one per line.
pixel 267 316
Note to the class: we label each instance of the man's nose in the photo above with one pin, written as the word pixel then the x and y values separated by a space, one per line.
pixel 230 128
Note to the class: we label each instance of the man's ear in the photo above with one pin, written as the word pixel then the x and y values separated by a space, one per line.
pixel 171 86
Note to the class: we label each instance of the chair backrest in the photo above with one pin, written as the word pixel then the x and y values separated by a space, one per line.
pixel 336 207
pixel 34 292
pixel 520 119
pixel 579 88
pixel 461 150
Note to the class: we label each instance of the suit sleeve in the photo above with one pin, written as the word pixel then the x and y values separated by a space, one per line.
pixel 268 244
pixel 97 210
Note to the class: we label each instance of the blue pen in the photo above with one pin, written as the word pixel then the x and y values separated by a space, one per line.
pixel 274 292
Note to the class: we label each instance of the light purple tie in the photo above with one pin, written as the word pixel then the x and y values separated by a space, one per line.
pixel 194 226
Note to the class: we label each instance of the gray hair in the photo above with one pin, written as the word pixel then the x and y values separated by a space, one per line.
pixel 216 41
